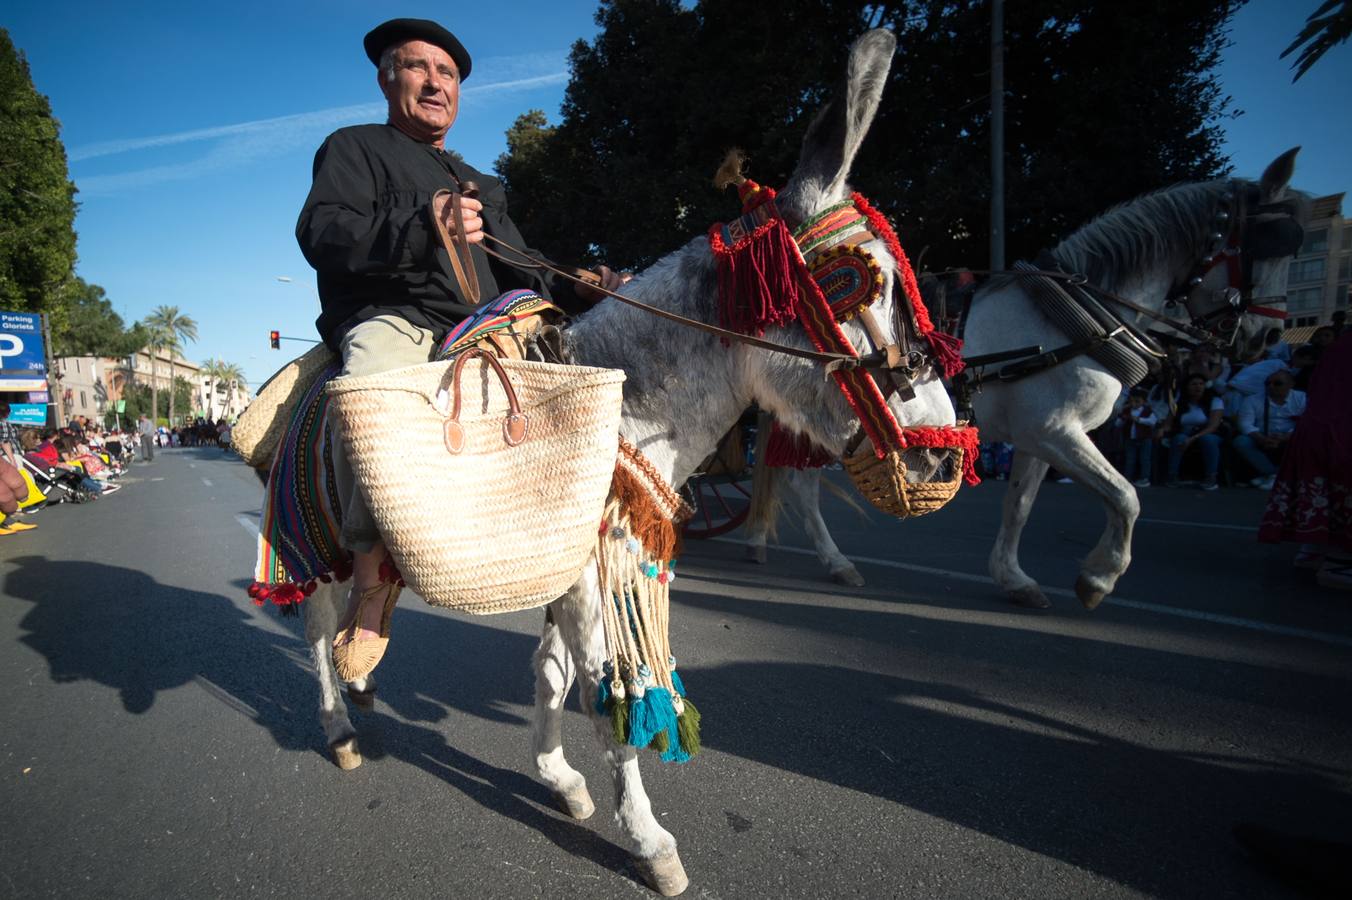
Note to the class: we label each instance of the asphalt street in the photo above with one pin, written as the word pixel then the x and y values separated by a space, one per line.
pixel 916 737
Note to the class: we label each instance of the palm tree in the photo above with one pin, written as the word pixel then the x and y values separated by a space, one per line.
pixel 156 341
pixel 233 376
pixel 179 328
pixel 216 371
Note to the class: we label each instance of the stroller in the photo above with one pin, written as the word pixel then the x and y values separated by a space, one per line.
pixel 57 485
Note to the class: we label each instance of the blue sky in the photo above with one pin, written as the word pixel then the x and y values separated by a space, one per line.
pixel 191 128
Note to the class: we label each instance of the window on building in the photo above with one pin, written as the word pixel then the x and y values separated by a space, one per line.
pixel 1316 241
pixel 1302 322
pixel 1343 298
pixel 1347 236
pixel 1306 270
pixel 84 401
pixel 1305 300
pixel 1345 268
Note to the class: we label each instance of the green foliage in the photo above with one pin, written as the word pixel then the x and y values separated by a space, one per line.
pixel 92 327
pixel 170 329
pixel 37 198
pixel 1104 101
pixel 1327 27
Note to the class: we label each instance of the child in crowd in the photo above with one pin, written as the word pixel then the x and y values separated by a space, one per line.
pixel 1138 421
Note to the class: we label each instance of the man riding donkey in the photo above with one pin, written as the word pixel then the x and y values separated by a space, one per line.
pixel 385 202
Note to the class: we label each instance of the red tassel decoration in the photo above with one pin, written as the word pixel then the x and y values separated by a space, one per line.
pixel 946 436
pixel 791 450
pixel 757 284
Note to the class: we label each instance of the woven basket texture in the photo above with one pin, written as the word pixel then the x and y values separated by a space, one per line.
pixel 263 423
pixel 883 483
pixel 493 528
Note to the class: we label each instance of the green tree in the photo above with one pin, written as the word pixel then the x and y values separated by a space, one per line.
pixel 1327 27
pixel 214 370
pixel 1104 101
pixel 92 327
pixel 232 376
pixel 37 198
pixel 167 320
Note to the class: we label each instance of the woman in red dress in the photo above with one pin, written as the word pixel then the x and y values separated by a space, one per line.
pixel 1311 501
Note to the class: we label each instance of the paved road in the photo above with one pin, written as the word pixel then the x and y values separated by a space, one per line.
pixel 913 738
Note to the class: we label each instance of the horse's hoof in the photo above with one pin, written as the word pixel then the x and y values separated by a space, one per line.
pixel 1030 597
pixel 576 804
pixel 848 576
pixel 1089 595
pixel 362 699
pixel 664 874
pixel 346 753
pixel 755 553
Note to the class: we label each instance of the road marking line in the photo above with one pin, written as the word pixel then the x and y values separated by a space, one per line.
pixel 247 524
pixel 207 482
pixel 192 465
pixel 1217 618
pixel 1248 528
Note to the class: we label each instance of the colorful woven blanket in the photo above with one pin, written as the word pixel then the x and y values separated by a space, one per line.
pixel 302 517
pixel 500 315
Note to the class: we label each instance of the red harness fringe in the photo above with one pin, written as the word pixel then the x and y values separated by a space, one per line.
pixel 948 436
pixel 756 280
pixel 946 348
pixel 791 450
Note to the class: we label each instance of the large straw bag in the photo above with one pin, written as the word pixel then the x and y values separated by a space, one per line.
pixel 487 479
pixel 263 422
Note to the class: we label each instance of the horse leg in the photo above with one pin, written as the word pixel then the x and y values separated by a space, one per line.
pixel 1025 478
pixel 1075 455
pixel 554 675
pixel 322 609
pixel 766 485
pixel 805 487
pixel 652 847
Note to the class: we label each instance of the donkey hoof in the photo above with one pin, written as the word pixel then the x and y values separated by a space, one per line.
pixel 848 576
pixel 755 553
pixel 362 699
pixel 1030 597
pixel 1089 595
pixel 576 804
pixel 664 874
pixel 346 753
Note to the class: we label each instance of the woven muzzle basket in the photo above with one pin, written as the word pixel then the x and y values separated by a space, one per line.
pixel 487 479
pixel 262 424
pixel 883 482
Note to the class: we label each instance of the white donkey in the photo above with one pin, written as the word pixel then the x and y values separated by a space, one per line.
pixel 1147 251
pixel 684 391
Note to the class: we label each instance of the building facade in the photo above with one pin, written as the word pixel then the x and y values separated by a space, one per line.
pixel 1320 276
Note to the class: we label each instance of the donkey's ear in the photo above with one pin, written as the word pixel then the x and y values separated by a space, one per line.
pixel 836 133
pixel 1278 175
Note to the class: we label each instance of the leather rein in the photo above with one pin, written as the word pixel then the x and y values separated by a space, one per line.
pixel 462 266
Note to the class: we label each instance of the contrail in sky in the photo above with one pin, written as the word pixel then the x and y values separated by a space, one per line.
pixel 323 118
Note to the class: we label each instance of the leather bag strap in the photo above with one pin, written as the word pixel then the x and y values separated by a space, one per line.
pixel 462 262
pixel 514 427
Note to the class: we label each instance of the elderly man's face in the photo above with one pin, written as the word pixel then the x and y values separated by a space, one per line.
pixel 424 96
pixel 1279 387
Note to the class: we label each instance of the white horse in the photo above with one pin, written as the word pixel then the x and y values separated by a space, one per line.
pixel 1146 251
pixel 684 391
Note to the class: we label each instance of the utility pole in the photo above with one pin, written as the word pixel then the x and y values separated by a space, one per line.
pixel 997 135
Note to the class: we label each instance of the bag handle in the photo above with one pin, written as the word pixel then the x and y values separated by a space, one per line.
pixel 514 427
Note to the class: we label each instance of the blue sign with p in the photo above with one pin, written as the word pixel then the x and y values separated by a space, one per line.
pixel 21 349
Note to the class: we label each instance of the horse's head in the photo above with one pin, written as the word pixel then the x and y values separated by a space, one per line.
pixel 1240 291
pixel 795 391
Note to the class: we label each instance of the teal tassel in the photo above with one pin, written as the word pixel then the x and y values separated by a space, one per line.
pixel 649 715
pixel 603 696
pixel 677 683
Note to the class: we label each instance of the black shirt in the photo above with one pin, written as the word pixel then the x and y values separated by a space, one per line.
pixel 367 229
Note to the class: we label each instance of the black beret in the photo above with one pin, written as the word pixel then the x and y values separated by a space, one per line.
pixel 396 31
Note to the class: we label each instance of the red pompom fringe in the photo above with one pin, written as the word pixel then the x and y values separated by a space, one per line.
pixel 947 436
pixel 757 283
pixel 791 450
pixel 947 349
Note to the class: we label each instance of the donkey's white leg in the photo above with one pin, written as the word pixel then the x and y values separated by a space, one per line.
pixel 553 677
pixel 805 488
pixel 578 615
pixel 1025 478
pixel 322 609
pixel 1075 455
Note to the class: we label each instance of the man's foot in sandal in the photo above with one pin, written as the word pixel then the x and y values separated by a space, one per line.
pixel 361 644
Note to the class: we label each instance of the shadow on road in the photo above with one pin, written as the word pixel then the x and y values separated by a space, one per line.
pixel 120 628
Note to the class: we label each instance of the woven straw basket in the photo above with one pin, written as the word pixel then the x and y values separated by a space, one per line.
pixel 883 482
pixel 261 425
pixel 487 506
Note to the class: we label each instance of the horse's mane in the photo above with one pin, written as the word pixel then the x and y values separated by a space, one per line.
pixel 1170 226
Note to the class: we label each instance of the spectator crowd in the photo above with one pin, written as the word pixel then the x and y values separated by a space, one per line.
pixel 81 461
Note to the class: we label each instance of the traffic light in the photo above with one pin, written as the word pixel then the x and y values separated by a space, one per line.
pixel 276 338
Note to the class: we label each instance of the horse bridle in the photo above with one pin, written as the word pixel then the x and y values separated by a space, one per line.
pixel 1218 311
